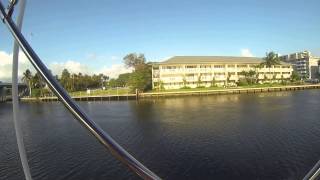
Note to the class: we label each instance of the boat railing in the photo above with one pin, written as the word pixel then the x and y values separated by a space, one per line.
pixel 103 137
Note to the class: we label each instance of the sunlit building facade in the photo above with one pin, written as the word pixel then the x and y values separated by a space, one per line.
pixel 304 64
pixel 195 71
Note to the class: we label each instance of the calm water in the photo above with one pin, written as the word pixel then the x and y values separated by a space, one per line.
pixel 255 136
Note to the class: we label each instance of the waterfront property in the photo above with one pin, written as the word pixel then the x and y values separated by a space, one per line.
pixel 195 71
pixel 303 63
pixel 184 92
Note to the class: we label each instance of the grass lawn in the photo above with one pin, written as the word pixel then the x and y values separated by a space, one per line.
pixel 124 91
pixel 222 88
pixel 100 92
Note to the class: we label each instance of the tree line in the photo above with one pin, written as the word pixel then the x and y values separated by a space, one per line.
pixel 70 81
pixel 139 78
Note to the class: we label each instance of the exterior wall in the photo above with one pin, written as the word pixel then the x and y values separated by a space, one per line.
pixel 180 75
pixel 313 66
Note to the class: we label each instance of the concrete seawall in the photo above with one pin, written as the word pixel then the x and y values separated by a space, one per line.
pixel 232 91
pixel 181 93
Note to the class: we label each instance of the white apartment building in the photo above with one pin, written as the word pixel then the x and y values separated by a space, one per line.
pixel 181 71
pixel 303 63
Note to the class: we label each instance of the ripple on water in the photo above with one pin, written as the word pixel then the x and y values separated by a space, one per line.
pixel 255 136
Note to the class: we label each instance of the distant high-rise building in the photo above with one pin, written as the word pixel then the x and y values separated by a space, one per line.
pixel 303 63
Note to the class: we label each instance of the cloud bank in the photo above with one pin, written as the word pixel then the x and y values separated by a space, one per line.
pixel 6 66
pixel 56 67
pixel 72 66
pixel 115 70
pixel 246 53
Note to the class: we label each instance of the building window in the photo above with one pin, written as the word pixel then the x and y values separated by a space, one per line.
pixel 231 66
pixel 242 66
pixel 191 67
pixel 205 66
pixel 167 67
pixel 218 66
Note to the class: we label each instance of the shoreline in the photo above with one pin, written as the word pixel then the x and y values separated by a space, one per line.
pixel 180 93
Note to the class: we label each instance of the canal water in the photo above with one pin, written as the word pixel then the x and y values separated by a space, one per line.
pixel 244 136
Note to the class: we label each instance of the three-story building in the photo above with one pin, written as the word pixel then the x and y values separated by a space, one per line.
pixel 195 71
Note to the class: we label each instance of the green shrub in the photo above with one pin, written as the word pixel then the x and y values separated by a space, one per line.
pixel 242 82
pixel 284 82
pixel 36 93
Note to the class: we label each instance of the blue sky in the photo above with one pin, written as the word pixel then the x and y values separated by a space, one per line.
pixel 99 33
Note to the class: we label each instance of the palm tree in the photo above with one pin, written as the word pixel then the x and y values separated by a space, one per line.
pixel 213 82
pixel 199 81
pixel 252 75
pixel 38 82
pixel 271 59
pixel 184 80
pixel 27 78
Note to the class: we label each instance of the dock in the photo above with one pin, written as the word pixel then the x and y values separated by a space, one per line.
pixel 180 93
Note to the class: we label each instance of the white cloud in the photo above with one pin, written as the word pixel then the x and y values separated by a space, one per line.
pixel 246 53
pixel 6 66
pixel 57 67
pixel 115 70
pixel 71 66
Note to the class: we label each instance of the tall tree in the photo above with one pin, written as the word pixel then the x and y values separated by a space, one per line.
pixel 38 83
pixel 65 79
pixel 270 60
pixel 249 76
pixel 27 78
pixel 123 79
pixel 295 76
pixel 134 60
pixel 141 77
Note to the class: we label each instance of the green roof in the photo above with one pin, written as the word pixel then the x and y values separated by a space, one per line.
pixel 212 59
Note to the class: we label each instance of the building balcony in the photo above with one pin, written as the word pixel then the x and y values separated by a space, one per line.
pixel 205 70
pixel 207 78
pixel 220 78
pixel 171 80
pixel 194 70
pixel 172 71
pixel 219 69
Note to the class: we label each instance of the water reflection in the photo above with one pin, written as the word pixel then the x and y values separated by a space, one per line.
pixel 251 136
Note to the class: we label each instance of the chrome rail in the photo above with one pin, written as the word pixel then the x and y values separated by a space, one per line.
pixel 15 94
pixel 313 174
pixel 103 137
